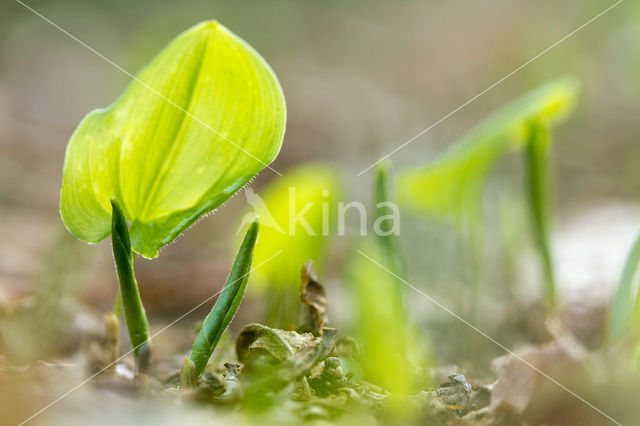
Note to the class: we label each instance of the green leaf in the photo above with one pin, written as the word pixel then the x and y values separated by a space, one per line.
pixel 199 121
pixel 450 187
pixel 134 313
pixel 227 304
pixel 625 309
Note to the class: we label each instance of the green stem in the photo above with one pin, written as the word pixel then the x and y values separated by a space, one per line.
pixel 130 296
pixel 387 240
pixel 537 159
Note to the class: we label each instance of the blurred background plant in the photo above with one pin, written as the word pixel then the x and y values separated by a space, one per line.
pixel 298 216
pixel 451 188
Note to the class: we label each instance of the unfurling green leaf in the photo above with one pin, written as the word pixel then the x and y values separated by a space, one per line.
pixel 198 122
pixel 227 304
pixel 130 296
pixel 450 187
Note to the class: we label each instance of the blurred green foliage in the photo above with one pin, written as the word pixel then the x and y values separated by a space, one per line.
pixel 396 353
pixel 451 187
pixel 297 213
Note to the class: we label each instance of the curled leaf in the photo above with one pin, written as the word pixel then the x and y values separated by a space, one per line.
pixel 294 367
pixel 227 304
pixel 277 344
pixel 312 294
pixel 196 124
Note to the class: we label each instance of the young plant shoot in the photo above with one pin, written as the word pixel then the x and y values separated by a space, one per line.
pixel 224 309
pixel 384 228
pixel 537 168
pixel 451 187
pixel 196 124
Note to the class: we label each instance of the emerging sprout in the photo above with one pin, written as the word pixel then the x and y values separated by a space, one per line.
pixel 450 188
pixel 226 306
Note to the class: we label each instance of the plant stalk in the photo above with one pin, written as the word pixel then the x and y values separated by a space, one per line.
pixel 537 160
pixel 134 313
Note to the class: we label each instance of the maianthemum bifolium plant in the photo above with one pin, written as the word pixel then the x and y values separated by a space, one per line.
pixel 196 124
pixel 451 187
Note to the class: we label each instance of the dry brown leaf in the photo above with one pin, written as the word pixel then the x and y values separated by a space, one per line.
pixel 313 295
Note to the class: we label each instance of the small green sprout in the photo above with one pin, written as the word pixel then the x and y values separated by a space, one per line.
pixel 451 187
pixel 188 375
pixel 225 307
